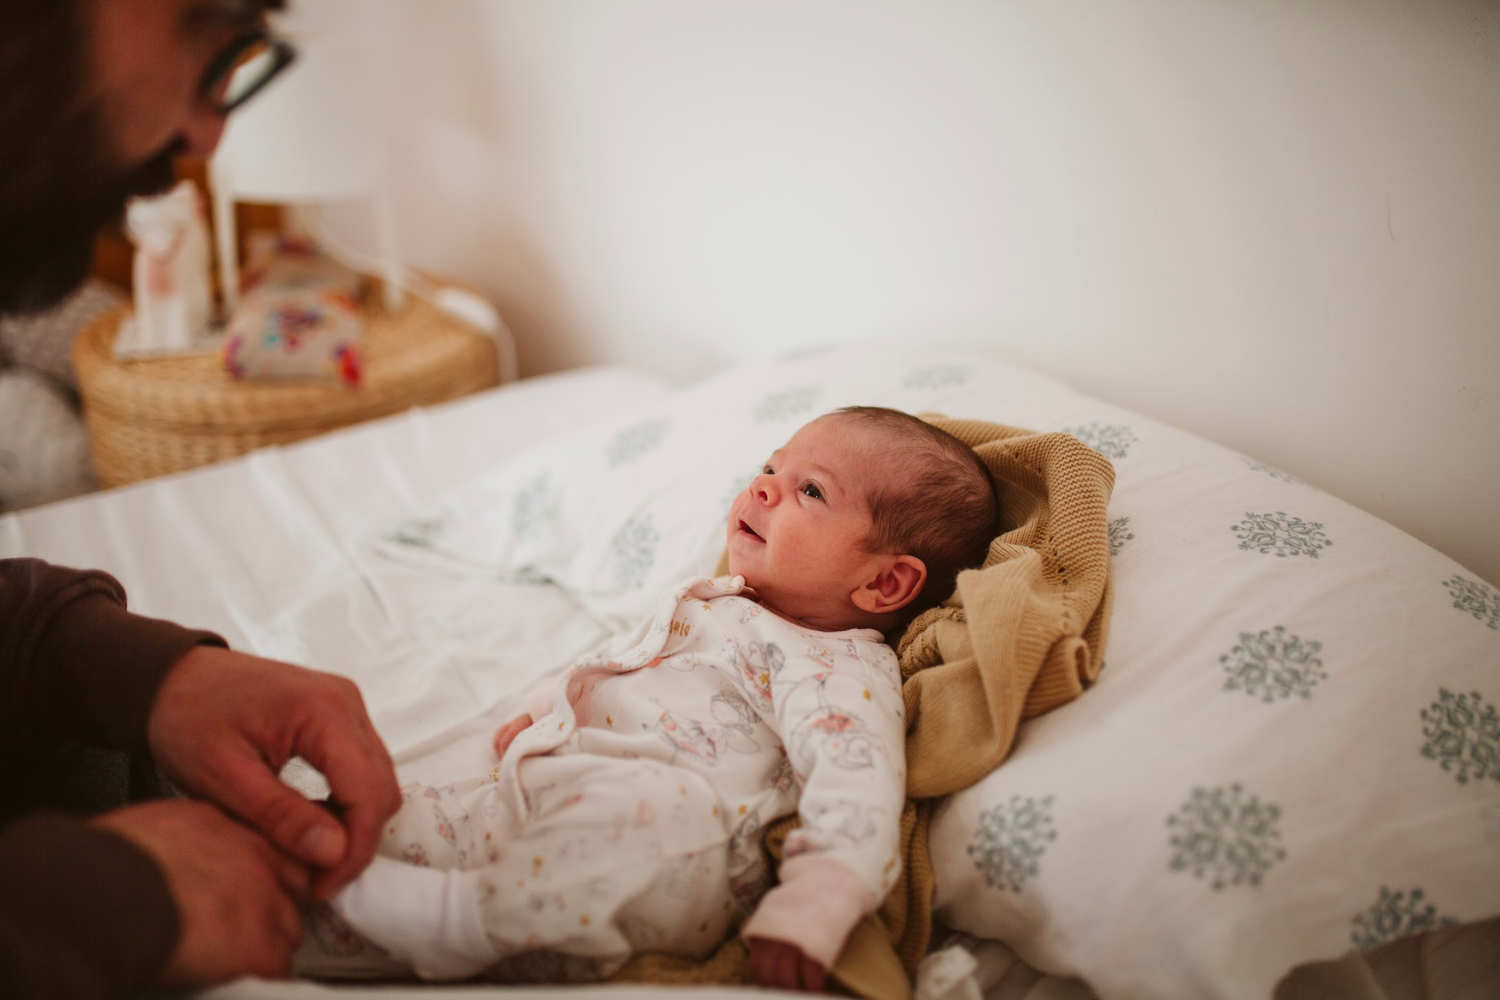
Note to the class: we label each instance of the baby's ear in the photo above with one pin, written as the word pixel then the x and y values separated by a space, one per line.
pixel 897 584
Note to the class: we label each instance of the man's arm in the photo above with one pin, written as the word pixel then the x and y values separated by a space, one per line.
pixel 169 893
pixel 83 912
pixel 74 664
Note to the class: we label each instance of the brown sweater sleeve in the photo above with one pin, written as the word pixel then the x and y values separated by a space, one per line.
pixel 83 912
pixel 74 664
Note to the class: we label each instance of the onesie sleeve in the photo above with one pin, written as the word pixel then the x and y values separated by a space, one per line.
pixel 839 711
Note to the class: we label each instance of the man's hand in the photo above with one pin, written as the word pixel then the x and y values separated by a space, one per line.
pixel 782 965
pixel 236 895
pixel 507 733
pixel 225 723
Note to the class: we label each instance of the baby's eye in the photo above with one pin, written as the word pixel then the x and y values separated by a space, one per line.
pixel 767 470
pixel 811 489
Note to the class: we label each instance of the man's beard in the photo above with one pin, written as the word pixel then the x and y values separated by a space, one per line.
pixel 48 226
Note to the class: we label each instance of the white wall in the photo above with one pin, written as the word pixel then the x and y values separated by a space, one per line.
pixel 1273 222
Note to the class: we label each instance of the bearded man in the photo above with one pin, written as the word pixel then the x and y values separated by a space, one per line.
pixel 97 99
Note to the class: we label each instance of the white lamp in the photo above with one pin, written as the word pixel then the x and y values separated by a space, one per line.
pixel 313 135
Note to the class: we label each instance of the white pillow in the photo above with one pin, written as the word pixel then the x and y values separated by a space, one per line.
pixel 1291 754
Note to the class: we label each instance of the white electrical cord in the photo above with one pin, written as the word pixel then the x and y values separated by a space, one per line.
pixel 457 302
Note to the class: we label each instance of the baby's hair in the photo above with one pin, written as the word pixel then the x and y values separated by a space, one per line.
pixel 943 508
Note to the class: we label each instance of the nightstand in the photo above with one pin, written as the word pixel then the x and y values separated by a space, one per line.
pixel 147 418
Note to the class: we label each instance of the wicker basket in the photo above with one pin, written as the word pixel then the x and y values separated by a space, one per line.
pixel 151 417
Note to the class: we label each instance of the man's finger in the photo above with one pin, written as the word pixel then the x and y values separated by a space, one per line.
pixel 292 875
pixel 274 957
pixel 364 829
pixel 364 784
pixel 288 820
pixel 288 921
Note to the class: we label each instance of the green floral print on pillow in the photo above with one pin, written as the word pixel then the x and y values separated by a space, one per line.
pixel 1395 915
pixel 1113 441
pixel 1283 535
pixel 1272 471
pixel 1010 839
pixel 1273 665
pixel 1225 836
pixel 1475 598
pixel 1463 735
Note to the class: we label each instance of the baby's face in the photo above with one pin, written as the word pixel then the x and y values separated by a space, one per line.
pixel 798 534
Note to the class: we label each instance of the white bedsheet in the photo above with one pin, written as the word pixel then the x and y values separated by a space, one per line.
pixel 273 551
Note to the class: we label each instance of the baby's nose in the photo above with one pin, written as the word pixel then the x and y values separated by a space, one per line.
pixel 763 488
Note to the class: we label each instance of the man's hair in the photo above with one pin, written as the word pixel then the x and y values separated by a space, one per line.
pixel 943 508
pixel 59 182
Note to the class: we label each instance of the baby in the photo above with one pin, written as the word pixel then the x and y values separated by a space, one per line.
pixel 627 810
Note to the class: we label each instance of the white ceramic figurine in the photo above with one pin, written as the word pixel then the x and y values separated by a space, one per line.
pixel 173 301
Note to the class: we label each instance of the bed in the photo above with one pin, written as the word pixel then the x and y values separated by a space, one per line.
pixel 1286 779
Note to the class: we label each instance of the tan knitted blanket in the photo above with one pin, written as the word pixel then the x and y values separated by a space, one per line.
pixel 1022 635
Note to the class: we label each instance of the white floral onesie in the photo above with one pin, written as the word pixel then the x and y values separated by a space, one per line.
pixel 629 816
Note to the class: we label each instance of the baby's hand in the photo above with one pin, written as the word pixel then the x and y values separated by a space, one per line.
pixel 782 965
pixel 508 732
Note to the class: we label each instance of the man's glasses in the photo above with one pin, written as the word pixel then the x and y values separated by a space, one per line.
pixel 241 68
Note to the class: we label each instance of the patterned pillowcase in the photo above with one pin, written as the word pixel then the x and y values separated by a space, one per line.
pixel 1292 753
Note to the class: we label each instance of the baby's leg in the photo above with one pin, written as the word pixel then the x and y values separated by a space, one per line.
pixel 615 857
pixel 445 826
pixel 612 857
pixel 434 828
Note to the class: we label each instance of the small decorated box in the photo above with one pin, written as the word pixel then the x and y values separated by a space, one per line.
pixel 299 316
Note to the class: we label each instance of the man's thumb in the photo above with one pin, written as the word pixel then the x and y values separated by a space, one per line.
pixel 323 843
pixel 290 821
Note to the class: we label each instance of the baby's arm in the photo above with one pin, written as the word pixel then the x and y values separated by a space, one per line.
pixel 543 695
pixel 845 737
pixel 539 702
pixel 507 733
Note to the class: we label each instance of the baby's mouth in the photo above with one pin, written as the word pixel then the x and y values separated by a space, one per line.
pixel 746 529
